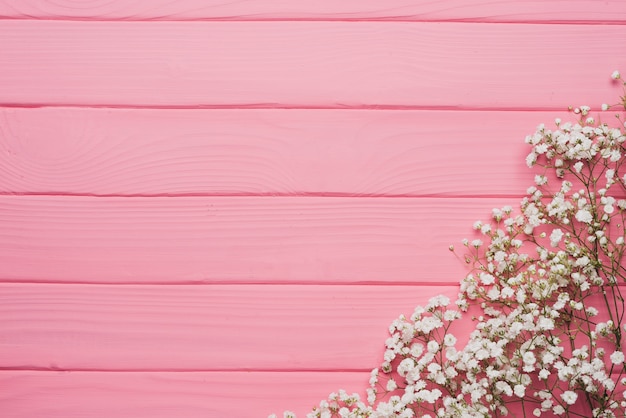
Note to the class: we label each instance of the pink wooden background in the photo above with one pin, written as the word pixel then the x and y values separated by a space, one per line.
pixel 214 209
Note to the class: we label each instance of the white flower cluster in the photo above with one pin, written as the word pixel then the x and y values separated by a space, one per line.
pixel 544 292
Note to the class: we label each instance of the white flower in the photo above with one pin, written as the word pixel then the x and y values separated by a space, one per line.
pixel 371 395
pixel 569 397
pixel 439 300
pixel 528 357
pixel 545 324
pixel 540 180
pixel 432 346
pixel 578 166
pixel 487 279
pixel 504 388
pixel 605 106
pixel 616 155
pixel 449 340
pixel 616 75
pixel 583 215
pixel 450 315
pixel 555 237
pixel 417 349
pixel 519 390
pixel 582 261
pixel 617 357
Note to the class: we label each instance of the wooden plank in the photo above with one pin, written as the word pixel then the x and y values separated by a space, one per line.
pixel 473 10
pixel 155 152
pixel 193 328
pixel 235 239
pixel 314 64
pixel 277 152
pixel 164 395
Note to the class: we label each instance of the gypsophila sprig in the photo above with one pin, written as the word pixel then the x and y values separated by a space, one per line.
pixel 543 291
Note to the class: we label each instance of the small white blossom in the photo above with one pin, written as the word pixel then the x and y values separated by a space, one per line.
pixel 584 216
pixel 449 340
pixel 555 237
pixel 569 397
pixel 578 166
pixel 519 390
pixel 432 346
pixel 617 357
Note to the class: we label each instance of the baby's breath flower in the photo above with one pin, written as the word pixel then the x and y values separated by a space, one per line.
pixel 541 328
pixel 583 215
pixel 617 357
pixel 569 397
pixel 555 237
pixel 615 75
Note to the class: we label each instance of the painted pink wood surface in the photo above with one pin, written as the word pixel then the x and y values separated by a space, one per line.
pixel 474 10
pixel 163 395
pixel 167 394
pixel 235 239
pixel 307 64
pixel 166 292
pixel 266 152
pixel 192 328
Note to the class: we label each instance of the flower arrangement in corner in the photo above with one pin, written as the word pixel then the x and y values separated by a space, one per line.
pixel 544 291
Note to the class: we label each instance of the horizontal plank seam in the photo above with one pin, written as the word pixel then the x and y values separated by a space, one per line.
pixel 388 19
pixel 176 370
pixel 282 283
pixel 269 194
pixel 302 195
pixel 273 106
pixel 280 195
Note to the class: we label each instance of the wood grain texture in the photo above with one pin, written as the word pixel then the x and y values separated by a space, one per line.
pixel 195 328
pixel 265 152
pixel 473 10
pixel 166 395
pixel 149 152
pixel 283 180
pixel 241 239
pixel 307 64
pixel 163 395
